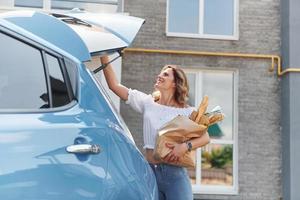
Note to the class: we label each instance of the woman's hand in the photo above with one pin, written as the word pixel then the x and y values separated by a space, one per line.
pixel 112 81
pixel 178 151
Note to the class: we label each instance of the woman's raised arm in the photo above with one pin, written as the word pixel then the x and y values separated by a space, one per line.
pixel 112 81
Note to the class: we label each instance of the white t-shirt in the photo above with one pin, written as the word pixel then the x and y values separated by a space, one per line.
pixel 154 115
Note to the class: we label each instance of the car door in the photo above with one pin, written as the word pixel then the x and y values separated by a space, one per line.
pixel 50 147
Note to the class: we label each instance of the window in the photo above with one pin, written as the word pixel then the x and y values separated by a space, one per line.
pixel 29 3
pixel 72 75
pixel 216 19
pixel 216 168
pixel 59 91
pixel 24 82
pixel 22 76
pixel 88 5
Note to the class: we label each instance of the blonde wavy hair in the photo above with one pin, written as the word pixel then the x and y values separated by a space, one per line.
pixel 182 87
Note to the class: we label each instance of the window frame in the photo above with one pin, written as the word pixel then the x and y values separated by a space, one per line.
pixel 198 188
pixel 201 34
pixel 47 5
pixel 43 52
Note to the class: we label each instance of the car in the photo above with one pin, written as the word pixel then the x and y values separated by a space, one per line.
pixel 60 135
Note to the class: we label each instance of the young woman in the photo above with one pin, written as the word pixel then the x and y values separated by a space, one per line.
pixel 168 101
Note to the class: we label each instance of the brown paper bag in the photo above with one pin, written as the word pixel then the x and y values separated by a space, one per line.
pixel 182 129
pixel 178 130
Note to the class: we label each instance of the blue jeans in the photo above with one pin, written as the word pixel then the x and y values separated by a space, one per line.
pixel 173 182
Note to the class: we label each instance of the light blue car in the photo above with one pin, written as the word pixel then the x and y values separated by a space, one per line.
pixel 60 136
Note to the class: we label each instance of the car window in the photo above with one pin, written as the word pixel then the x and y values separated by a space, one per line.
pixel 59 91
pixel 72 75
pixel 22 76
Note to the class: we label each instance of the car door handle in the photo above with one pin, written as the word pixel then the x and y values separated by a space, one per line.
pixel 84 149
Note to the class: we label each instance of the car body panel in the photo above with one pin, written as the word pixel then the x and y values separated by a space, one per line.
pixel 129 175
pixel 35 164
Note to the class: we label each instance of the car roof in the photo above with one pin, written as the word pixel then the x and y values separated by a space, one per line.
pixel 78 33
pixel 47 30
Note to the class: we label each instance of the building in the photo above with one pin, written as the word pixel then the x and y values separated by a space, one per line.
pixel 227 49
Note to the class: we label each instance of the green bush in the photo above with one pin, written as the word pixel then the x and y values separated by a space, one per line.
pixel 219 158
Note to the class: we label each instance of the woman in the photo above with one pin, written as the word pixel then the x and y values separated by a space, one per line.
pixel 168 101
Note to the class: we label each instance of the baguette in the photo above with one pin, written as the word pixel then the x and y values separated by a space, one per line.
pixel 202 108
pixel 193 116
pixel 215 118
pixel 204 120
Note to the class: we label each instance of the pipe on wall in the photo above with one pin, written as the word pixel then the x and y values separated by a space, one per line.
pixel 275 59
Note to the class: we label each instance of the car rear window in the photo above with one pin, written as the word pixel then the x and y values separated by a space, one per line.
pixel 22 77
pixel 59 89
pixel 27 73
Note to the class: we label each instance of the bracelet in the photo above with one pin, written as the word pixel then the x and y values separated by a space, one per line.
pixel 189 146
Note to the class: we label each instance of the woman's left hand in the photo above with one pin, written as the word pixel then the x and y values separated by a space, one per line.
pixel 178 150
